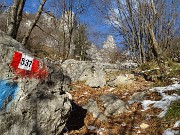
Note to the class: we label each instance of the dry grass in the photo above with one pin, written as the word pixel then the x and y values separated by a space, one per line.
pixel 124 124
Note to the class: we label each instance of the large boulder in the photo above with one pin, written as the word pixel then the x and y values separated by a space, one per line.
pixel 93 108
pixel 75 69
pixel 30 106
pixel 112 104
pixel 94 77
pixel 123 79
pixel 91 73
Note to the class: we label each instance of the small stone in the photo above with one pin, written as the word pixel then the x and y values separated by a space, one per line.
pixel 144 126
pixel 138 96
pixel 92 127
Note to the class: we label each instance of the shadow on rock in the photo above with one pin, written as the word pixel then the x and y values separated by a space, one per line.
pixel 76 119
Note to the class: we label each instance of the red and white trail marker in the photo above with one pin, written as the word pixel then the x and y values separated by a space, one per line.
pixel 26 62
pixel 25 65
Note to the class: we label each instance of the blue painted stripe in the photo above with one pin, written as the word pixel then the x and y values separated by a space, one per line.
pixel 7 90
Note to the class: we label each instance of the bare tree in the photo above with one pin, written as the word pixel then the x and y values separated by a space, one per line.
pixel 16 18
pixel 33 24
pixel 125 21
pixel 19 17
pixel 14 12
pixel 66 25
pixel 3 25
pixel 2 7
pixel 81 43
pixel 147 32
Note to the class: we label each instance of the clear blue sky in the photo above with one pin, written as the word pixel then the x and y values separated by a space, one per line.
pixel 98 30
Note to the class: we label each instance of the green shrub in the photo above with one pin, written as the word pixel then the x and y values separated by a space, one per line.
pixel 173 112
pixel 149 66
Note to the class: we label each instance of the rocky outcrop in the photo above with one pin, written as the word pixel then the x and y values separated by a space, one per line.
pixel 33 106
pixel 105 54
pixel 109 43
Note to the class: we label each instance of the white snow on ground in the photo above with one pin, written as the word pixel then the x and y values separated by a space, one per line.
pixel 175 80
pixel 169 131
pixel 146 103
pixel 166 100
pixel 167 88
pixel 177 124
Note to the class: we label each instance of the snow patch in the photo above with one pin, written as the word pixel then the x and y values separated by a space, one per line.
pixel 166 100
pixel 167 88
pixel 170 132
pixel 146 103
pixel 177 124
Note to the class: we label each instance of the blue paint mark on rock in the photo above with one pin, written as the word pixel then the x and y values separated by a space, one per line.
pixel 7 93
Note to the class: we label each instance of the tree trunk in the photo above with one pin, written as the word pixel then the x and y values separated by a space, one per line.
pixel 155 47
pixel 19 17
pixel 33 24
pixel 12 25
pixel 157 52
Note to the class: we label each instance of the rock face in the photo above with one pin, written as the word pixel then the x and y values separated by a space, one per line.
pixel 109 44
pixel 33 107
pixel 105 54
